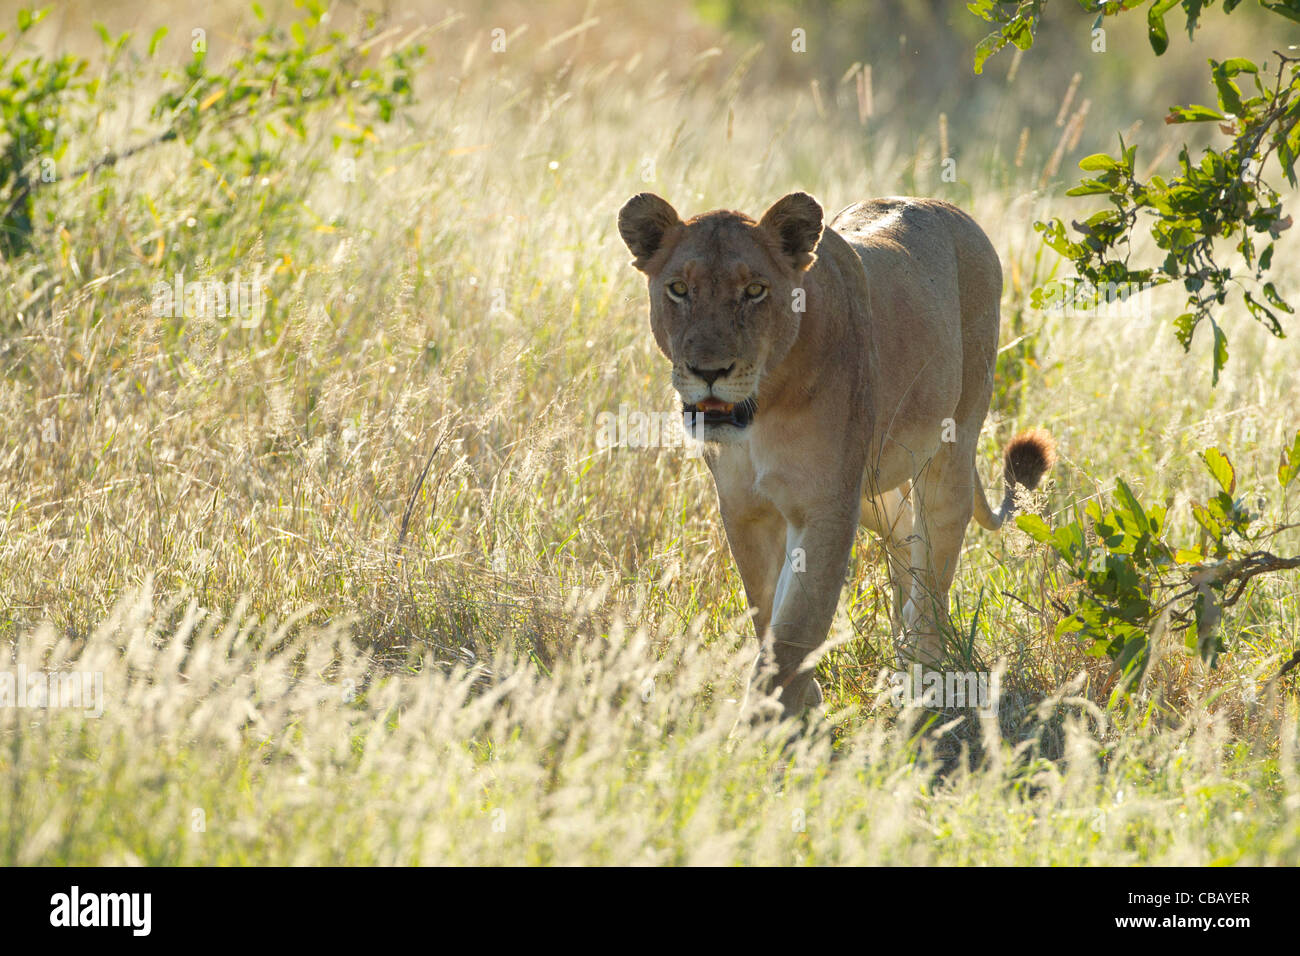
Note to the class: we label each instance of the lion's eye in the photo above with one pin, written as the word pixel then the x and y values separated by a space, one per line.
pixel 755 291
pixel 677 289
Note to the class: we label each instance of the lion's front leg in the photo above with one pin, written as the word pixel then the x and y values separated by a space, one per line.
pixel 807 592
pixel 757 541
pixel 755 530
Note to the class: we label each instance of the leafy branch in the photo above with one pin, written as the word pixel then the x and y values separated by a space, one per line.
pixel 1220 197
pixel 1135 582
pixel 282 77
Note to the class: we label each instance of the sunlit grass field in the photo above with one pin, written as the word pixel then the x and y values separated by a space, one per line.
pixel 363 588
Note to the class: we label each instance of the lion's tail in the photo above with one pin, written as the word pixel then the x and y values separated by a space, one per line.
pixel 1028 457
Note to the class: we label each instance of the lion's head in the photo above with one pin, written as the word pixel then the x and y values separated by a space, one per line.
pixel 722 303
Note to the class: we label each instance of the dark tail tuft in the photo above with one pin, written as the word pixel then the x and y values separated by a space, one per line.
pixel 1029 456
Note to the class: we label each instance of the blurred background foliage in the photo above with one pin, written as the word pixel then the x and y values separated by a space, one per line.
pixel 919 51
pixel 894 78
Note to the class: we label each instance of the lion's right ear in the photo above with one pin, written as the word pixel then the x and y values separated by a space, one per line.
pixel 643 222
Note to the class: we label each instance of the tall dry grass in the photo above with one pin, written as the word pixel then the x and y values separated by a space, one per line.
pixel 230 742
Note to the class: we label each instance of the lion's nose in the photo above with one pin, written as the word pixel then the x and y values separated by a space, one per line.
pixel 711 375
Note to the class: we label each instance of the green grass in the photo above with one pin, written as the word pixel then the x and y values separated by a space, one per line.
pixel 546 668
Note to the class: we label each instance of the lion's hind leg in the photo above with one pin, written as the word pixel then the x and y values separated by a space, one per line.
pixel 943 499
pixel 889 517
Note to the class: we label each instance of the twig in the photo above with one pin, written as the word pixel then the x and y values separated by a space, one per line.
pixel 111 159
pixel 1293 662
pixel 1018 598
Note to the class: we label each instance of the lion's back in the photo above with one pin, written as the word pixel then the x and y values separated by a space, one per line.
pixel 933 284
pixel 928 230
pixel 926 255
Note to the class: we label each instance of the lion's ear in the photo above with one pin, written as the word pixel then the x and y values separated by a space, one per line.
pixel 643 222
pixel 796 222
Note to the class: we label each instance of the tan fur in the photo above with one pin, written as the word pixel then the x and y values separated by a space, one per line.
pixel 869 402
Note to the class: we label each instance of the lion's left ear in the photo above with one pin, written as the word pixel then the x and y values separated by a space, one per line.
pixel 796 222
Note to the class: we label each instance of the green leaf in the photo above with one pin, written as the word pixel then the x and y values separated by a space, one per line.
pixel 1221 468
pixel 1212 525
pixel 1264 315
pixel 1184 326
pixel 29 18
pixel 1193 114
pixel 1229 92
pixel 986 48
pixel 1089 187
pixel 1289 466
pixel 1284 8
pixel 1270 290
pixel 1035 527
pixel 1098 161
pixel 1238 64
pixel 1157 34
pixel 1069 541
pixel 1133 657
pixel 1220 352
pixel 1131 506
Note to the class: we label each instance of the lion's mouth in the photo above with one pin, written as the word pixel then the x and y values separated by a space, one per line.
pixel 714 411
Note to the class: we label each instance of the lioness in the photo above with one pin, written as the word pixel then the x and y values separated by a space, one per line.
pixel 836 374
